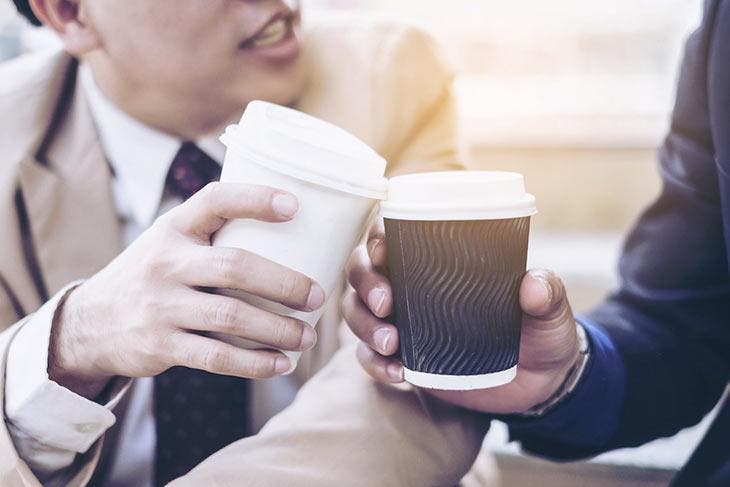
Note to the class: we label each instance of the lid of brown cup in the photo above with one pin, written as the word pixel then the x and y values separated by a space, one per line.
pixel 308 148
pixel 458 195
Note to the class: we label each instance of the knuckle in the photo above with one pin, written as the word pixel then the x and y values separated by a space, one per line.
pixel 211 193
pixel 214 359
pixel 351 268
pixel 171 223
pixel 227 262
pixel 263 366
pixel 349 265
pixel 288 332
pixel 158 349
pixel 295 288
pixel 152 310
pixel 164 347
pixel 365 356
pixel 224 316
pixel 164 222
pixel 377 233
pixel 260 197
pixel 210 197
pixel 347 306
pixel 157 265
pixel 356 276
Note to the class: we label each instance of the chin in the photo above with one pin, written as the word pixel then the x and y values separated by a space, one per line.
pixel 283 88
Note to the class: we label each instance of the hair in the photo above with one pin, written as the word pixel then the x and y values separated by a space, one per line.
pixel 23 7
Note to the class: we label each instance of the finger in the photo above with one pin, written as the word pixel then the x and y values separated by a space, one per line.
pixel 207 210
pixel 378 367
pixel 230 268
pixel 203 353
pixel 543 299
pixel 372 287
pixel 234 317
pixel 378 334
pixel 376 244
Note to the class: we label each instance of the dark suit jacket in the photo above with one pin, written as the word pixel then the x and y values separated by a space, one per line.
pixel 669 323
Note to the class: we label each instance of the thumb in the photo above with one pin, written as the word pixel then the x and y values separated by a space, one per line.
pixel 543 298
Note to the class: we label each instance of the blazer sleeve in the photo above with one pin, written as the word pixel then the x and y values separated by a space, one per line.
pixel 344 429
pixel 669 322
pixel 416 106
pixel 13 470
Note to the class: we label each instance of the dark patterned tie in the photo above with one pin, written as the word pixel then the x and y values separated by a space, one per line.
pixel 196 413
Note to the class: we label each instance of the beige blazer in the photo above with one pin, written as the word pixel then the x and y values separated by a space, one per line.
pixel 385 83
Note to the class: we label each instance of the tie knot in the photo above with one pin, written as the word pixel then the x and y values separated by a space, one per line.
pixel 191 169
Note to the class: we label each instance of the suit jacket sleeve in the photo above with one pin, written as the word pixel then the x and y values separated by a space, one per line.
pixel 343 429
pixel 14 472
pixel 420 114
pixel 667 326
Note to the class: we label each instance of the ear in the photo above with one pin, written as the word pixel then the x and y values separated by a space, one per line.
pixel 67 18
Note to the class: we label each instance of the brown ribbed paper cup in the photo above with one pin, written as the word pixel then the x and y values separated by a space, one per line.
pixel 457 252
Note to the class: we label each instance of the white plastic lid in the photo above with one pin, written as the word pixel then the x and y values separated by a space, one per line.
pixel 458 195
pixel 305 147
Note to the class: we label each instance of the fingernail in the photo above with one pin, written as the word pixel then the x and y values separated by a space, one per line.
pixel 548 288
pixel 381 338
pixel 285 204
pixel 309 337
pixel 395 372
pixel 376 298
pixel 316 297
pixel 373 246
pixel 541 277
pixel 281 365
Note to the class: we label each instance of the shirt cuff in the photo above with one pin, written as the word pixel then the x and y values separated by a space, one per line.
pixel 39 408
pixel 586 419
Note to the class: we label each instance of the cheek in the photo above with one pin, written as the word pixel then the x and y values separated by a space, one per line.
pixel 170 34
pixel 280 86
pixel 172 61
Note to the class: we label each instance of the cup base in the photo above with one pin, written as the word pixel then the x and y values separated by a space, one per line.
pixel 459 382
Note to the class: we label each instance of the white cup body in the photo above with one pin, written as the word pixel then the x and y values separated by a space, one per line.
pixel 317 242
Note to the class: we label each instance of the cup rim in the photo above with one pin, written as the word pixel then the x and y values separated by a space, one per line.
pixel 524 207
pixel 374 188
pixel 424 206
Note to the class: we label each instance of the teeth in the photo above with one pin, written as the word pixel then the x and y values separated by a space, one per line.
pixel 273 33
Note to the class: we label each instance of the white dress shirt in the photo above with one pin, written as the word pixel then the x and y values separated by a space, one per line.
pixel 50 424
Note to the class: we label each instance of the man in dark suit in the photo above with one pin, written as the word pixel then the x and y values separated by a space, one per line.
pixel 655 356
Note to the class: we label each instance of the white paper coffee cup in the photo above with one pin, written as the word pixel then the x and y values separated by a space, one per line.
pixel 337 179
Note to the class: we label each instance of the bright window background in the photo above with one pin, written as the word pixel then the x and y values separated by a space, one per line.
pixel 532 72
pixel 574 94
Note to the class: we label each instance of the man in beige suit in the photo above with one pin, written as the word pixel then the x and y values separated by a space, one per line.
pixel 90 140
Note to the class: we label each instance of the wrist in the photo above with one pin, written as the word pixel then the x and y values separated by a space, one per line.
pixel 568 379
pixel 70 360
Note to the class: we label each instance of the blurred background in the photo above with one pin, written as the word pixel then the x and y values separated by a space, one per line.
pixel 575 95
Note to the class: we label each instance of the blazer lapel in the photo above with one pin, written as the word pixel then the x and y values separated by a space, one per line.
pixel 719 103
pixel 66 191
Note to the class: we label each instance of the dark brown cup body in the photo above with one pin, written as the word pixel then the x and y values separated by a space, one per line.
pixel 456 290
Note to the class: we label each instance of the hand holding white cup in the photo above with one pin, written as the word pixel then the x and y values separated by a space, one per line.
pixel 337 180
